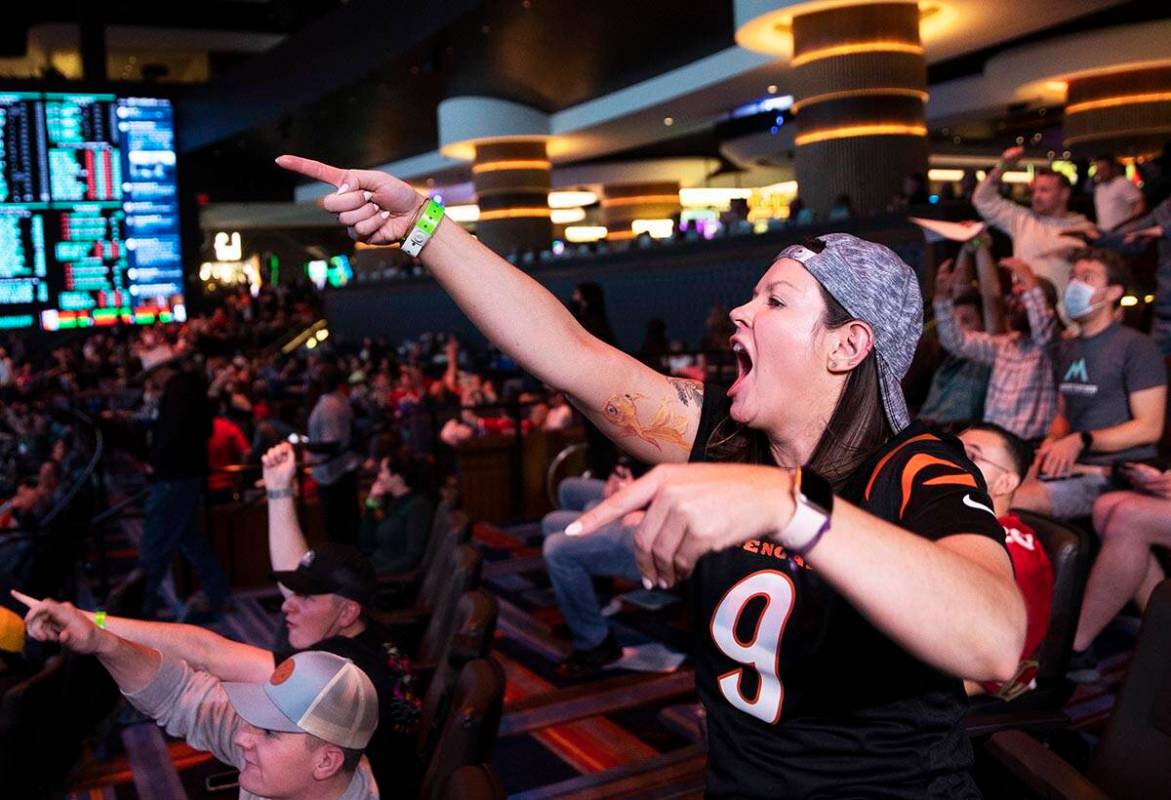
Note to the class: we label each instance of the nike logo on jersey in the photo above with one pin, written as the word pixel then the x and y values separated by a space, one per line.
pixel 970 503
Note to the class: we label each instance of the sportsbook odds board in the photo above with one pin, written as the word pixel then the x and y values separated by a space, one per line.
pixel 89 212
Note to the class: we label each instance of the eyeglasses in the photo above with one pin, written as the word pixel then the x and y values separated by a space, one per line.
pixel 975 456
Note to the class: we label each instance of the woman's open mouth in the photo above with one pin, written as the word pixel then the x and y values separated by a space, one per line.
pixel 743 365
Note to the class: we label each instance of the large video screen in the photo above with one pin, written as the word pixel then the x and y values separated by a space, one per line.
pixel 89 212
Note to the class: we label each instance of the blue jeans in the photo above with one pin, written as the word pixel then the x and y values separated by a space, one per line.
pixel 574 495
pixel 169 525
pixel 573 561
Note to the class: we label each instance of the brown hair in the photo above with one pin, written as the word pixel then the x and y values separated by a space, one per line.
pixel 857 427
pixel 1117 271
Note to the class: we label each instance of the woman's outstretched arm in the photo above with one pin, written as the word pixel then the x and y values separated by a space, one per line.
pixel 651 416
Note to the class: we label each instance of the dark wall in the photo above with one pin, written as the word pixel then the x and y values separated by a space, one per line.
pixel 678 283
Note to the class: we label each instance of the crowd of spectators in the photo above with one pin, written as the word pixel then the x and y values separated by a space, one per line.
pixel 1038 359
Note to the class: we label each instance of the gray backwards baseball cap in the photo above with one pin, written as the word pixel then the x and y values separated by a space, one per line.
pixel 876 286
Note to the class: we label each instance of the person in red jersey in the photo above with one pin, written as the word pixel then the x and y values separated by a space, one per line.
pixel 1003 458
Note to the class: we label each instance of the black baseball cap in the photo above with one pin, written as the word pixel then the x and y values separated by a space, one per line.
pixel 332 569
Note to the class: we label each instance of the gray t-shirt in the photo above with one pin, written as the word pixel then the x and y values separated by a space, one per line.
pixel 1096 377
pixel 331 421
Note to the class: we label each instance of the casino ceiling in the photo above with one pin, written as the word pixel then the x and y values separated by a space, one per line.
pixel 358 82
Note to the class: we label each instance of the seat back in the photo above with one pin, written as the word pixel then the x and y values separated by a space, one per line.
pixel 475 625
pixel 1165 441
pixel 1133 758
pixel 463 575
pixel 469 733
pixel 435 576
pixel 1068 549
pixel 478 782
pixel 34 753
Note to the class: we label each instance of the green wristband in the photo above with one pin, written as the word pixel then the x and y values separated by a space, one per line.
pixel 100 618
pixel 429 219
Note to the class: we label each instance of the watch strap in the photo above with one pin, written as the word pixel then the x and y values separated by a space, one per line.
pixel 1087 441
pixel 812 510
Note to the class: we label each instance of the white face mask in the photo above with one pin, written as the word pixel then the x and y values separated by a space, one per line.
pixel 1077 299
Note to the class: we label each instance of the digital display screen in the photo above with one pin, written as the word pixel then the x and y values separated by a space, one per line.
pixel 89 211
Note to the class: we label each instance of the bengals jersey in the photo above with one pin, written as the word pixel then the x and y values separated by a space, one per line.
pixel 804 696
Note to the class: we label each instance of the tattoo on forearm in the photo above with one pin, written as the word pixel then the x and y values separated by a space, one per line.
pixel 665 428
pixel 689 391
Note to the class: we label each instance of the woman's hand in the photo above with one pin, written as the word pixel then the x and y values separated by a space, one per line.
pixel 376 208
pixel 280 466
pixel 693 509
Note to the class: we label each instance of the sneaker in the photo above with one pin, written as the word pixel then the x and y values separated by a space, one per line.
pixel 583 663
pixel 1083 667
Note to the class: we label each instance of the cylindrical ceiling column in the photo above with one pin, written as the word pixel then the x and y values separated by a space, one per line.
pixel 624 203
pixel 1119 112
pixel 859 93
pixel 512 181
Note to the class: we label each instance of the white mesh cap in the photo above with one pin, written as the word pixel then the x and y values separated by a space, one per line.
pixel 312 692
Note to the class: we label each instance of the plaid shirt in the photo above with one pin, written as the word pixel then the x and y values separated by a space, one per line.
pixel 1021 394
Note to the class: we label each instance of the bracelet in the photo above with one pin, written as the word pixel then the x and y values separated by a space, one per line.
pixel 278 494
pixel 100 618
pixel 425 225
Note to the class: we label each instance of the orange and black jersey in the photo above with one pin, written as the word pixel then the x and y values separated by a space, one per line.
pixel 805 697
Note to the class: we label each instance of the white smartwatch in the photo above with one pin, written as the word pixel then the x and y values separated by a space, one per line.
pixel 813 503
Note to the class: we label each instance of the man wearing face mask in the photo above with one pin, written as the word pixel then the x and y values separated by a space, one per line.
pixel 1112 392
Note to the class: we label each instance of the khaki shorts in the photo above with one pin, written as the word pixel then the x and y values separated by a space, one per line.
pixel 1074 497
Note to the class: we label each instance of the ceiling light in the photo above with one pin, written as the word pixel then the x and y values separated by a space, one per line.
pixel 469 212
pixel 945 175
pixel 585 233
pixel 572 198
pixel 566 216
pixel 781 187
pixel 514 213
pixel 656 228
pixel 772 88
pixel 854 48
pixel 852 131
pixel 668 121
pixel 707 196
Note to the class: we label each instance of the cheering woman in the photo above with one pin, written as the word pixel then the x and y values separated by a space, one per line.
pixel 846 568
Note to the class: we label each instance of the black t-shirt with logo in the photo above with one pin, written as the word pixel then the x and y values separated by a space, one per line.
pixel 804 696
pixel 391 750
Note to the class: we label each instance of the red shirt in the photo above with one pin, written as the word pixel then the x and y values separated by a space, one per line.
pixel 227 445
pixel 1034 577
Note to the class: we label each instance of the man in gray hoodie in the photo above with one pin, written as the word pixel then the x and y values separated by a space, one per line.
pixel 1042 234
pixel 300 735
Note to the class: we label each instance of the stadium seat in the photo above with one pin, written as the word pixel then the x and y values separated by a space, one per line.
pixel 1133 757
pixel 423 631
pixel 470 639
pixel 479 782
pixel 468 736
pixel 1068 551
pixel 419 586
